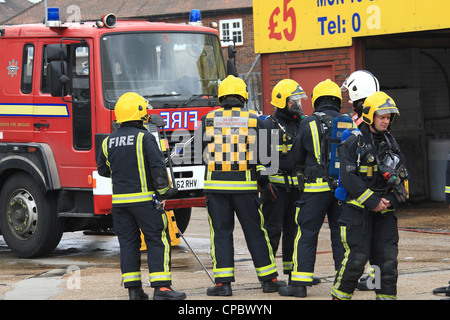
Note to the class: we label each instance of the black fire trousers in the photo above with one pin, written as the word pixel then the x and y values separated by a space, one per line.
pixel 221 208
pixel 311 211
pixel 368 234
pixel 127 221
pixel 279 217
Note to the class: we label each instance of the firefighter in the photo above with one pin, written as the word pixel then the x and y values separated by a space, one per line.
pixel 232 177
pixel 360 84
pixel 133 160
pixel 317 199
pixel 279 215
pixel 372 171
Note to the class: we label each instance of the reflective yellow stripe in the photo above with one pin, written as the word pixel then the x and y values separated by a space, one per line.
pixel 211 236
pixel 335 291
pixel 132 197
pixel 42 110
pixel 105 151
pixel 340 294
pixel 281 180
pixel 160 276
pixel 366 194
pixel 302 276
pixel 260 167
pixel 141 162
pixel 287 265
pixel 248 175
pixel 316 141
pixel 131 276
pixel 296 240
pixel 447 189
pixel 280 147
pixel 386 297
pixel 223 272
pixel 357 204
pixel 166 243
pixel 266 236
pixel 162 191
pixel 264 271
pixel 363 169
pixel 318 186
pixel 230 185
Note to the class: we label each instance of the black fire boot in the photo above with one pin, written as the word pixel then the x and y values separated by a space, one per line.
pixel 272 285
pixel 296 291
pixel 167 293
pixel 137 293
pixel 220 289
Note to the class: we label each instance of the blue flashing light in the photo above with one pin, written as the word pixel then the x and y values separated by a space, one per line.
pixel 53 14
pixel 195 16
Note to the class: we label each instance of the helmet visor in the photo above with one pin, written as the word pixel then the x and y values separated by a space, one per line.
pixel 298 97
pixel 387 107
pixel 386 111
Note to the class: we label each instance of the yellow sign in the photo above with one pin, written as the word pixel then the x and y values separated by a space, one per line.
pixel 292 25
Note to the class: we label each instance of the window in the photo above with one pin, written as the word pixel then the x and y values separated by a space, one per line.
pixel 27 68
pixel 44 84
pixel 81 97
pixel 178 68
pixel 231 29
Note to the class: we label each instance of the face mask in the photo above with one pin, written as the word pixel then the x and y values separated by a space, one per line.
pixel 296 109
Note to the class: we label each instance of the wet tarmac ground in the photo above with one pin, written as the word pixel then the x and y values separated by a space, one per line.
pixel 87 267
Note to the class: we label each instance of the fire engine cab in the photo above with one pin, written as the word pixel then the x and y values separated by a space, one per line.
pixel 59 85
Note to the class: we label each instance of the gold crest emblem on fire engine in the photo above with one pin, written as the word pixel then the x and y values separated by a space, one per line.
pixel 13 67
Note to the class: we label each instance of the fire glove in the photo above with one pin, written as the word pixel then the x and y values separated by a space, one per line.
pixel 267 189
pixel 400 193
pixel 269 192
pixel 169 193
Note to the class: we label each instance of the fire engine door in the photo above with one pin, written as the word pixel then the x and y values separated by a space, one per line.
pixel 67 126
pixel 16 105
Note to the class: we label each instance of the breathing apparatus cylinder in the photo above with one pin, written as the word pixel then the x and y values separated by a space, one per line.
pixel 341 193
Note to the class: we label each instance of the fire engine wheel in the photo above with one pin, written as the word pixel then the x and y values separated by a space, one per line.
pixel 182 216
pixel 28 218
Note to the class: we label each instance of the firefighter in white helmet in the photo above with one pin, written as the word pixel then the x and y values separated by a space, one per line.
pixel 360 84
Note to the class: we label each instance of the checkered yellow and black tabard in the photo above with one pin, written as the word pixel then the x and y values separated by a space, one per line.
pixel 234 143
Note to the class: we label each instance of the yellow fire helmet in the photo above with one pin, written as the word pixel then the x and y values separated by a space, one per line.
pixel 285 89
pixel 326 88
pixel 232 86
pixel 378 103
pixel 131 107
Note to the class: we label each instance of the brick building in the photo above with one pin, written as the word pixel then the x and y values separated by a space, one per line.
pixel 405 44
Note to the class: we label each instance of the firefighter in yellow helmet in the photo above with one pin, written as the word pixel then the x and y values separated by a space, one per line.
pixel 279 213
pixel 372 170
pixel 230 135
pixel 317 200
pixel 133 160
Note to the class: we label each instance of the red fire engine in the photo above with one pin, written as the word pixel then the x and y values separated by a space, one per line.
pixel 59 85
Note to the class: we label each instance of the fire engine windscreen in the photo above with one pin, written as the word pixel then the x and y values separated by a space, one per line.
pixel 167 68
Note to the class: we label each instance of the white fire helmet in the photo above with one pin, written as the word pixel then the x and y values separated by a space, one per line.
pixel 360 84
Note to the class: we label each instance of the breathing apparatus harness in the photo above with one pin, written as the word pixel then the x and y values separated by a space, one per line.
pixel 391 166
